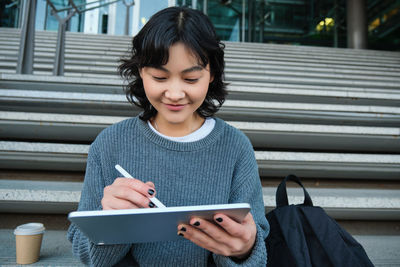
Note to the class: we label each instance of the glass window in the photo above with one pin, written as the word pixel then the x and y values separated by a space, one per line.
pixel 9 13
pixel 300 22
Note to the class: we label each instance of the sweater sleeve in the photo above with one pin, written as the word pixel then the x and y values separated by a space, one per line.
pixel 92 193
pixel 247 188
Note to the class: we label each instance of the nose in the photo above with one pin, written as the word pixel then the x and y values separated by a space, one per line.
pixel 174 91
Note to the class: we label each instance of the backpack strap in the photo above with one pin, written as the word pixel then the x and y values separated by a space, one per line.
pixel 281 192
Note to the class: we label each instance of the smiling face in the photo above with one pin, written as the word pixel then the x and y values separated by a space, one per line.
pixel 176 90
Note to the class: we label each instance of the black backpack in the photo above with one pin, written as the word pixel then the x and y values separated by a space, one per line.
pixel 304 236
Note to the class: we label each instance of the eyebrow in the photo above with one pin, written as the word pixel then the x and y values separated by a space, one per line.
pixel 191 69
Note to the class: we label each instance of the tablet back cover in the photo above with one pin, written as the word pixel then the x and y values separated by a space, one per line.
pixel 146 225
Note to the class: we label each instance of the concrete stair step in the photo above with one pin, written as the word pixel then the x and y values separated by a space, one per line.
pixel 272 61
pixel 234 72
pixel 266 61
pixel 329 165
pixel 19 196
pixel 78 39
pixel 28 196
pixel 84 128
pixel 60 83
pixel 232 66
pixel 382 250
pixel 305 72
pixel 106 75
pixel 267 91
pixel 345 204
pixel 71 38
pixel 235 110
pixel 327 56
pixel 56 249
pixel 314 79
pixel 332 94
pixel 309 113
pixel 246 46
pixel 264 66
pixel 121 44
pixel 266 181
pixel 72 157
pixel 241 73
pixel 49 35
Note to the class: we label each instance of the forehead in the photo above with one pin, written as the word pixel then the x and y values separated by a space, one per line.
pixel 177 53
pixel 180 53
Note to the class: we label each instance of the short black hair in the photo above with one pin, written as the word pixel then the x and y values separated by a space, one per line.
pixel 150 49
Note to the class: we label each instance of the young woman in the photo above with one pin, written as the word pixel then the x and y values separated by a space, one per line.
pixel 176 149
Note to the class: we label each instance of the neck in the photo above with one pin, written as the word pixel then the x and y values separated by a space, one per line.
pixel 177 129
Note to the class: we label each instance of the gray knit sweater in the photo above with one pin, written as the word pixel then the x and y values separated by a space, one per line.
pixel 218 169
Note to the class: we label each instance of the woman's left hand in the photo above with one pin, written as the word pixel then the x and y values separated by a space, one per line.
pixel 226 237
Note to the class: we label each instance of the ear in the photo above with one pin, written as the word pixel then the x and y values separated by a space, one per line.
pixel 211 78
pixel 140 73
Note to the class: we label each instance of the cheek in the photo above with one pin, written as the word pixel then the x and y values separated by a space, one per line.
pixel 150 88
pixel 201 91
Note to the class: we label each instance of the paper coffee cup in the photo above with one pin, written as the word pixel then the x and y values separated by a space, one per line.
pixel 28 240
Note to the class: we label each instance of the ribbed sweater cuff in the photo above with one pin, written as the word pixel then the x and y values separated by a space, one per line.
pixel 106 255
pixel 92 254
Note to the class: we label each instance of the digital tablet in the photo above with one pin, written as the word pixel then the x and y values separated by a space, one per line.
pixel 147 225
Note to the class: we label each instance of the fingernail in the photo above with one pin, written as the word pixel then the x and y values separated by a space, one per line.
pixel 183 229
pixel 151 205
pixel 219 220
pixel 151 192
pixel 180 234
pixel 196 224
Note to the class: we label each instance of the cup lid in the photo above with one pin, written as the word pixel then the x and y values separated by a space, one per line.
pixel 29 229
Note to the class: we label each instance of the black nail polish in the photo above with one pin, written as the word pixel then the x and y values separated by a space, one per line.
pixel 151 192
pixel 183 229
pixel 219 220
pixel 151 205
pixel 196 224
pixel 180 234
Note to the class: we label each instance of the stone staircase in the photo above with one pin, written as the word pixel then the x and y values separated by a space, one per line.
pixel 331 116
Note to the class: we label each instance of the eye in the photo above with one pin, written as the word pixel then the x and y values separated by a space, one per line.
pixel 158 78
pixel 191 80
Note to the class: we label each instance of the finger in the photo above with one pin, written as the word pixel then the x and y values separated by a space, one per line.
pixel 115 193
pixel 200 238
pixel 211 229
pixel 137 185
pixel 249 219
pixel 151 184
pixel 152 187
pixel 229 245
pixel 134 197
pixel 230 226
pixel 117 204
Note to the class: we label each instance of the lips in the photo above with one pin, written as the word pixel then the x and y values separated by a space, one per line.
pixel 175 107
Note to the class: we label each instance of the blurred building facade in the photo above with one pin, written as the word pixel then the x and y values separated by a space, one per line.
pixel 332 23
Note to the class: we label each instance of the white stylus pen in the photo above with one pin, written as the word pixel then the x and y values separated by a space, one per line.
pixel 127 175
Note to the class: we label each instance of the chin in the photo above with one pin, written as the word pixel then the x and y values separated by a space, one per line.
pixel 181 115
pixel 176 120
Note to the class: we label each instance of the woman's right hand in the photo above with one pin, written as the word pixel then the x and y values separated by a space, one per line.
pixel 127 193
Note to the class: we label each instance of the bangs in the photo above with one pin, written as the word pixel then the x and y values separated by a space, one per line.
pixel 155 48
pixel 153 55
